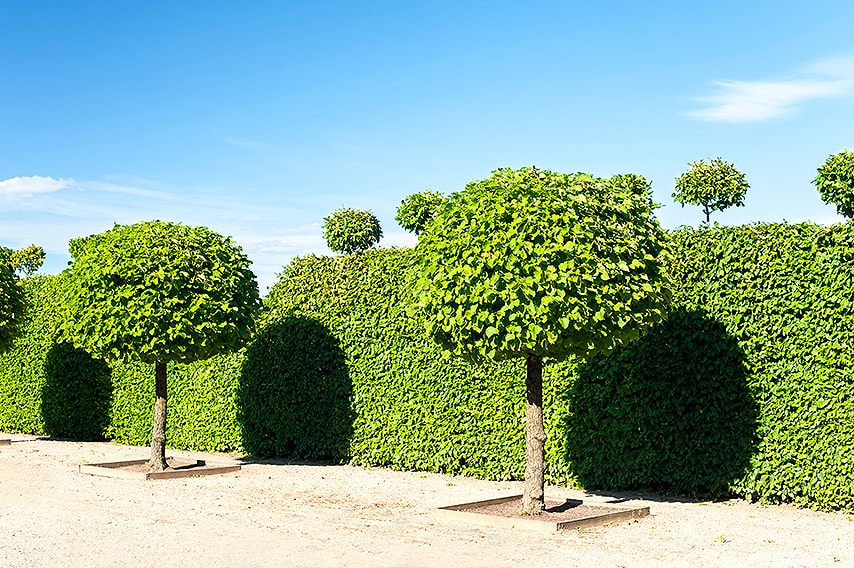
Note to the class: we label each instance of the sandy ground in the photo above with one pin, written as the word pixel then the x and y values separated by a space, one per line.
pixel 312 515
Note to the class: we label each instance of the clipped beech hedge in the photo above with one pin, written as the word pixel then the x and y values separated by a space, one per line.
pixel 48 387
pixel 411 407
pixel 751 377
pixel 745 389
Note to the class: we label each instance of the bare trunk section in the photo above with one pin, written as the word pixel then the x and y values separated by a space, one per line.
pixel 535 439
pixel 158 431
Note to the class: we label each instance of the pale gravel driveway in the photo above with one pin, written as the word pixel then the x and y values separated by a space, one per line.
pixel 310 515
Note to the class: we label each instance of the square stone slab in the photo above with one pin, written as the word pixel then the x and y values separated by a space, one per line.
pixel 137 469
pixel 557 516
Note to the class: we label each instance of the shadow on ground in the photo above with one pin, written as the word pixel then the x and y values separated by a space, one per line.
pixel 671 412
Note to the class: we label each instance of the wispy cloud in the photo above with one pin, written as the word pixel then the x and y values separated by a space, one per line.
pixel 17 188
pixel 754 101
pixel 49 212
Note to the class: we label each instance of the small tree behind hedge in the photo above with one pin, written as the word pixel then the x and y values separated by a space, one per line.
pixel 349 231
pixel 835 182
pixel 416 210
pixel 534 264
pixel 28 259
pixel 716 185
pixel 157 292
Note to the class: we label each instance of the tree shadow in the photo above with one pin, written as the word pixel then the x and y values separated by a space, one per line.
pixel 294 393
pixel 76 395
pixel 671 412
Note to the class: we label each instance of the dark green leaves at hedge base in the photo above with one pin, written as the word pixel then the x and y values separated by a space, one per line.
pixel 12 301
pixel 835 182
pixel 531 262
pixel 672 411
pixel 157 292
pixel 349 231
pixel 76 394
pixel 716 185
pixel 294 395
pixel 418 209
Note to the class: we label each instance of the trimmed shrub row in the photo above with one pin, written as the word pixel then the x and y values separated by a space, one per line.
pixel 745 389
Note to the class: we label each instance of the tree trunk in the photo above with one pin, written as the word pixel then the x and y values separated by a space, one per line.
pixel 158 431
pixel 535 439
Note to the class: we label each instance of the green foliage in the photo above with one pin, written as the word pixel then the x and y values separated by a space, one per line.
pixel 531 262
pixel 76 394
pixel 203 410
pixel 12 301
pixel 294 394
pixel 745 388
pixel 784 293
pixel 412 408
pixel 349 231
pixel 416 210
pixel 716 185
pixel 22 374
pixel 49 388
pixel 633 183
pixel 157 292
pixel 28 259
pixel 835 182
pixel 672 411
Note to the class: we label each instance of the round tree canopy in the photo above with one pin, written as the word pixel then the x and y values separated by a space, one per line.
pixel 835 182
pixel 350 231
pixel 716 185
pixel 416 210
pixel 534 263
pixel 158 292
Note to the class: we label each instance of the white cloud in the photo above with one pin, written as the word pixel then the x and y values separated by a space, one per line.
pixel 754 101
pixel 58 210
pixel 21 187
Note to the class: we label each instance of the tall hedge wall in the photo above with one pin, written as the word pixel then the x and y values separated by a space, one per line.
pixel 746 388
pixel 411 407
pixel 51 388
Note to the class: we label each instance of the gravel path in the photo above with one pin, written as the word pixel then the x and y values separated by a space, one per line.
pixel 311 515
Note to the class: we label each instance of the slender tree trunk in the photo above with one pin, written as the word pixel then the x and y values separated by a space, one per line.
pixel 708 213
pixel 158 431
pixel 535 439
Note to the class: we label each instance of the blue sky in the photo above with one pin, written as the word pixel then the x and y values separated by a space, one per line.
pixel 257 119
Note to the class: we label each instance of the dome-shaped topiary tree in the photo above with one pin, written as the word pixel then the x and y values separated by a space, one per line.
pixel 349 231
pixel 416 210
pixel 835 182
pixel 157 292
pixel 716 185
pixel 534 264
